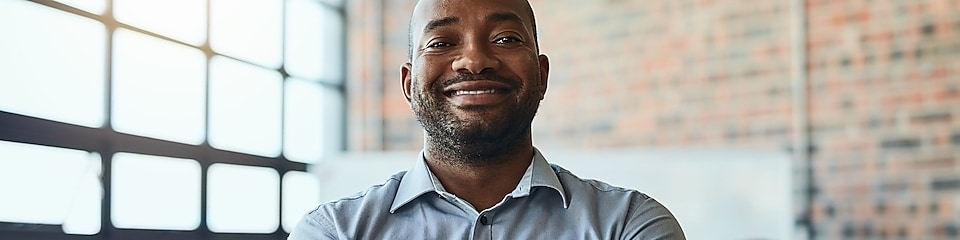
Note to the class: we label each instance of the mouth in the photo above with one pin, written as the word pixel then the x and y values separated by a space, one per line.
pixel 477 93
pixel 474 92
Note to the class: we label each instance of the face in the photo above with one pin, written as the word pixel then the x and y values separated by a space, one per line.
pixel 476 78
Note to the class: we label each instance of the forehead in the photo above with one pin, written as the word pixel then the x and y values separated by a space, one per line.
pixel 464 10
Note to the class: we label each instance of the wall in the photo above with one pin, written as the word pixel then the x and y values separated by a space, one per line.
pixel 884 99
pixel 883 80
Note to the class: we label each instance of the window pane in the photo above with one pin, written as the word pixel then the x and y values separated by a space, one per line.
pixel 158 88
pixel 184 20
pixel 304 121
pixel 245 107
pixel 91 6
pixel 333 123
pixel 314 41
pixel 44 76
pixel 152 192
pixel 247 29
pixel 334 3
pixel 242 199
pixel 301 193
pixel 48 185
pixel 84 217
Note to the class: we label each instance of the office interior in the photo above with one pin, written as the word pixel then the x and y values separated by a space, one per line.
pixel 219 119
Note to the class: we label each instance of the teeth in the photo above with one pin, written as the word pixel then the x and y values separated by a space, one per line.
pixel 463 92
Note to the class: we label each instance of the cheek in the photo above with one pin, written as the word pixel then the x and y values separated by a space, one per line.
pixel 429 71
pixel 527 68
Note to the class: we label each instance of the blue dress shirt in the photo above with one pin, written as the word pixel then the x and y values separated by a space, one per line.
pixel 548 203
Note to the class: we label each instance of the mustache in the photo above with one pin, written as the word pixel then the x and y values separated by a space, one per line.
pixel 461 77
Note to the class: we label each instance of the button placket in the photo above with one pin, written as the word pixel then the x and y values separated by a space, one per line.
pixel 486 218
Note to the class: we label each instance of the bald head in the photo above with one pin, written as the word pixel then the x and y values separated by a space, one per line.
pixel 426 9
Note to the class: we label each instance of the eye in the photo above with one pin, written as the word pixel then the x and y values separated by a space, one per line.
pixel 439 45
pixel 507 40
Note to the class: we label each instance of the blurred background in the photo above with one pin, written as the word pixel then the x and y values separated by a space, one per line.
pixel 218 119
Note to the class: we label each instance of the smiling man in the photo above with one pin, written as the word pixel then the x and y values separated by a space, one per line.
pixel 474 80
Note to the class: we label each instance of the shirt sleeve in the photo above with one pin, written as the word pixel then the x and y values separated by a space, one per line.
pixel 313 226
pixel 651 220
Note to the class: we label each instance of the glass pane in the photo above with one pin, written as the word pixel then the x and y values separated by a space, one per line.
pixel 245 107
pixel 158 88
pixel 333 122
pixel 84 217
pixel 334 3
pixel 44 76
pixel 184 20
pixel 48 185
pixel 247 29
pixel 314 41
pixel 153 192
pixel 91 6
pixel 304 121
pixel 242 199
pixel 301 193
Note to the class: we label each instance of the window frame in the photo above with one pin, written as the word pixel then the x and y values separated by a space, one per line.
pixel 107 142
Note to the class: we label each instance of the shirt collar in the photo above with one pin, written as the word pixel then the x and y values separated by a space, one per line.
pixel 419 180
pixel 539 174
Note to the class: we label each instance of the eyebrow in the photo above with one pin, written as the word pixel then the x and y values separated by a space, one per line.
pixel 504 16
pixel 493 17
pixel 442 22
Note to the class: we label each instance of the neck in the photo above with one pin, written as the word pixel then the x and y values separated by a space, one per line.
pixel 481 182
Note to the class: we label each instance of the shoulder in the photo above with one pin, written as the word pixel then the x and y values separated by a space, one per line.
pixel 568 179
pixel 643 217
pixel 596 193
pixel 377 194
pixel 334 217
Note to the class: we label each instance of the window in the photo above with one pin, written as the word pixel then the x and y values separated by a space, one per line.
pixel 178 119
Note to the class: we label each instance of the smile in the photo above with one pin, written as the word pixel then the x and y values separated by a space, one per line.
pixel 478 97
pixel 478 93
pixel 474 92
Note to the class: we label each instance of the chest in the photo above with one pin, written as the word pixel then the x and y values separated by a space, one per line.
pixel 532 217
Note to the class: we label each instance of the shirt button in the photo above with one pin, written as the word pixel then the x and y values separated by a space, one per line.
pixel 483 220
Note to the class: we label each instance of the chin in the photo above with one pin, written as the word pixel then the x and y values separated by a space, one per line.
pixel 474 134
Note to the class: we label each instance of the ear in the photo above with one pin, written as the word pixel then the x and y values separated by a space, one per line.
pixel 405 81
pixel 544 72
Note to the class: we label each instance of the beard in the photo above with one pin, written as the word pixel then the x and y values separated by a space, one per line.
pixel 474 142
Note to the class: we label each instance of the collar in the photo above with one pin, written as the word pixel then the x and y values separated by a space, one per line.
pixel 419 180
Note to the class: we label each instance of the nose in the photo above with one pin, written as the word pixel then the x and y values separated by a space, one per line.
pixel 476 58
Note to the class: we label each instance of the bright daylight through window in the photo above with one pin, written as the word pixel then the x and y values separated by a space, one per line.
pixel 135 119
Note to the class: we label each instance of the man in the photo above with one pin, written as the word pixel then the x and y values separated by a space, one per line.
pixel 474 81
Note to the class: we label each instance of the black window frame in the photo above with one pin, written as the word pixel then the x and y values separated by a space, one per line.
pixel 107 142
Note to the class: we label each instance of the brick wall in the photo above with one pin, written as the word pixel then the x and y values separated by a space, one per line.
pixel 665 73
pixel 884 82
pixel 883 78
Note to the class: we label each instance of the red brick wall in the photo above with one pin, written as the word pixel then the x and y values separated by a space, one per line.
pixel 400 130
pixel 883 78
pixel 884 82
pixel 665 73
